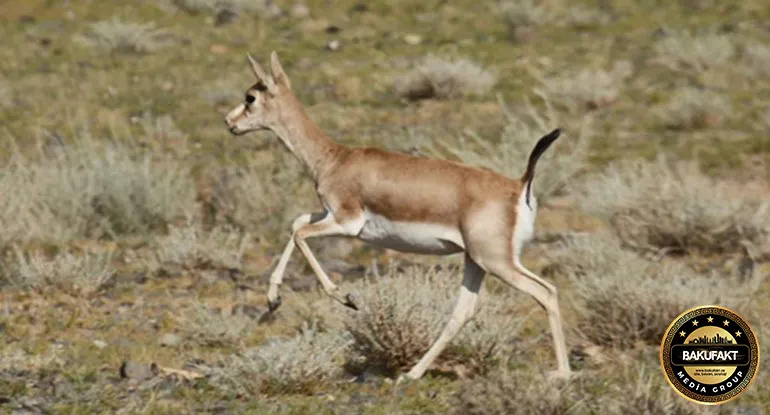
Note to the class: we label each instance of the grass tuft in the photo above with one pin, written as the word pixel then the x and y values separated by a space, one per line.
pixel 82 274
pixel 209 327
pixel 439 78
pixel 695 52
pixel 589 89
pixel 216 6
pixel 115 35
pixel 692 108
pixel 305 364
pixel 191 247
pixel 653 205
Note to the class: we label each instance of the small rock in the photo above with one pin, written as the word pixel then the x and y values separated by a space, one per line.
pixel 359 8
pixel 334 45
pixel 332 29
pixel 100 344
pixel 170 340
pixel 412 39
pixel 225 16
pixel 167 86
pixel 299 11
pixel 136 371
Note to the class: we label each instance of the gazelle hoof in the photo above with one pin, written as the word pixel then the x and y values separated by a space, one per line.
pixel 273 305
pixel 350 301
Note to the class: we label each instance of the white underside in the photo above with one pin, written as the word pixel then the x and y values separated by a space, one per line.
pixel 414 237
pixel 525 224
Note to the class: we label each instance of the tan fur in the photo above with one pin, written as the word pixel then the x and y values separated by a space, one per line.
pixel 454 200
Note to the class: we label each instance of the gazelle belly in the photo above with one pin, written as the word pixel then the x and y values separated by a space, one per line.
pixel 414 237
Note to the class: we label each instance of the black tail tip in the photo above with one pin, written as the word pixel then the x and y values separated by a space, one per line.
pixel 554 134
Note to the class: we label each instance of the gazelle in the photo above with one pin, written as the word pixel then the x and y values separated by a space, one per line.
pixel 406 203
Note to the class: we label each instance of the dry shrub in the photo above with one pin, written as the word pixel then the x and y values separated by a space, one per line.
pixel 619 298
pixel 115 35
pixel 90 189
pixel 210 327
pixel 403 314
pixel 216 6
pixel 560 164
pixel 521 17
pixel 304 364
pixel 439 78
pixel 192 247
pixel 523 391
pixel 694 108
pixel 654 205
pixel 82 274
pixel 697 52
pixel 756 58
pixel 13 359
pixel 589 89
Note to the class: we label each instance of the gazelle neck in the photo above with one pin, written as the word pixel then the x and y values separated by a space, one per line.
pixel 306 141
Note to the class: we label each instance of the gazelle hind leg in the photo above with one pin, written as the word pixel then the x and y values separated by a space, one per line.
pixel 464 309
pixel 546 295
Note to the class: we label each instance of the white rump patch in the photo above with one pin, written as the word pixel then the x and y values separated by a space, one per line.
pixel 525 223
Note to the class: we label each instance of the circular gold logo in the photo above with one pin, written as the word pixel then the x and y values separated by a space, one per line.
pixel 709 355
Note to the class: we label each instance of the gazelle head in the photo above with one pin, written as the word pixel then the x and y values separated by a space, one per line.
pixel 263 102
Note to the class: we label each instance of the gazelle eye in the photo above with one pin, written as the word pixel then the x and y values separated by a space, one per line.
pixel 250 99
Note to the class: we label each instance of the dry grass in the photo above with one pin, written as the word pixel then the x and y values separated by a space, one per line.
pixel 215 6
pixel 210 327
pixel 7 96
pixel 82 274
pixel 306 363
pixel 557 168
pixel 518 392
pixel 653 205
pixel 115 35
pixel 697 52
pixel 260 198
pixel 404 313
pixel 87 189
pixel 756 56
pixel 192 247
pixel 691 107
pixel 439 78
pixel 13 359
pixel 589 89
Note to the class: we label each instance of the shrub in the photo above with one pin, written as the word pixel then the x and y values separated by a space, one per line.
pixel 589 88
pixel 557 167
pixel 697 52
pixel 214 328
pixel 757 58
pixel 403 314
pixel 259 198
pixel 439 78
pixel 192 247
pixel 90 189
pixel 303 364
pixel 115 35
pixel 77 274
pixel 233 6
pixel 694 108
pixel 517 392
pixel 653 205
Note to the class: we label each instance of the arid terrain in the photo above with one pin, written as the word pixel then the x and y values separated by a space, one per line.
pixel 137 235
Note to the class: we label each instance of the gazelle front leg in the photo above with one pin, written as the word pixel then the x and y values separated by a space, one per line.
pixel 328 226
pixel 276 278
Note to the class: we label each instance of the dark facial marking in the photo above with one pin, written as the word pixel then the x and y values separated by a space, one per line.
pixel 260 86
pixel 250 98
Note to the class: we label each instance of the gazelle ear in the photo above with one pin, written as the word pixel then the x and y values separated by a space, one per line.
pixel 258 71
pixel 278 74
